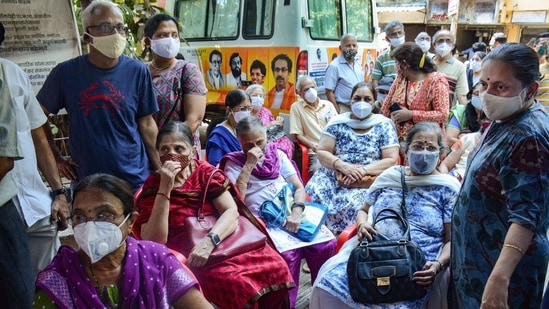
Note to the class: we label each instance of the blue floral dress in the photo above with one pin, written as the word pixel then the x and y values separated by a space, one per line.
pixel 507 181
pixel 429 207
pixel 354 148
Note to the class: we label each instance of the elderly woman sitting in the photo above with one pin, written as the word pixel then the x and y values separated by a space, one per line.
pixel 429 203
pixel 353 146
pixel 260 171
pixel 255 278
pixel 112 270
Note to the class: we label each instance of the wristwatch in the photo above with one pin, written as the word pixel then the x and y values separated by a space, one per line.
pixel 57 192
pixel 215 238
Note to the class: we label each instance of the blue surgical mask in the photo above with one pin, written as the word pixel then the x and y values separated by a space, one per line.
pixel 423 162
pixel 475 101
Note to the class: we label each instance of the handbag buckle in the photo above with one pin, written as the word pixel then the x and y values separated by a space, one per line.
pixel 383 281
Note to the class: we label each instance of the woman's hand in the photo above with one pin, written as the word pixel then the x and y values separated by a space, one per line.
pixel 292 222
pixel 401 115
pixel 254 156
pixel 352 172
pixel 200 253
pixel 495 294
pixel 426 277
pixel 168 172
pixel 366 230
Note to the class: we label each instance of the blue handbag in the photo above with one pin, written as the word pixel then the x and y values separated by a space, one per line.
pixel 274 214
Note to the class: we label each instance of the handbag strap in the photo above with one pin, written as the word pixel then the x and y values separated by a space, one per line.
pixel 179 97
pixel 205 193
pixel 403 203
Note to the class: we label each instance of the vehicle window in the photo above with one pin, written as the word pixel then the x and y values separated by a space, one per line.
pixel 326 19
pixel 211 20
pixel 359 19
pixel 258 19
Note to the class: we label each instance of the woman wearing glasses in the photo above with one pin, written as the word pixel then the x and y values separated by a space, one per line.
pixel 222 131
pixel 112 270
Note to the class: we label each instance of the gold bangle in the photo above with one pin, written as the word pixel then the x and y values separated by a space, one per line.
pixel 514 247
pixel 334 163
pixel 242 183
pixel 442 266
pixel 163 194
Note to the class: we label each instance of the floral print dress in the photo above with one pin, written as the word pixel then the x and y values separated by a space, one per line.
pixel 507 181
pixel 354 148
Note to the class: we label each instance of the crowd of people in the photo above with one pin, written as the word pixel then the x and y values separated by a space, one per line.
pixel 470 143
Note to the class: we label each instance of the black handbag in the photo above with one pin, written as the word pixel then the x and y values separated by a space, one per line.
pixel 381 271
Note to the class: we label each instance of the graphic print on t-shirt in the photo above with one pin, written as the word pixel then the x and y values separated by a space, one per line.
pixel 101 96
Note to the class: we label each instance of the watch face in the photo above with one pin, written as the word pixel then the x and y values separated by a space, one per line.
pixel 215 238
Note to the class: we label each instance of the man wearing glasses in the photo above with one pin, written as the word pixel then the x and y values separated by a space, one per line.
pixel 258 72
pixel 109 99
pixel 282 95
pixel 385 63
pixel 214 78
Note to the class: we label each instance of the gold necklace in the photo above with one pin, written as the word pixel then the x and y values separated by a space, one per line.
pixel 160 69
pixel 93 274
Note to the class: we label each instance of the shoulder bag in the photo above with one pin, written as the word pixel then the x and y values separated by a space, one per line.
pixel 274 214
pixel 381 271
pixel 246 237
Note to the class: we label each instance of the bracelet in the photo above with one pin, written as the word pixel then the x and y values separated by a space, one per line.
pixel 514 247
pixel 298 204
pixel 442 266
pixel 242 183
pixel 163 194
pixel 334 163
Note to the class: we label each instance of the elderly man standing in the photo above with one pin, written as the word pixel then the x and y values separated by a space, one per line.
pixel 343 74
pixel 454 71
pixel 109 99
pixel 308 117
pixel 385 63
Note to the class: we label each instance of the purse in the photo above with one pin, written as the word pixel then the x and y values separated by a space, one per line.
pixel 381 271
pixel 364 183
pixel 274 214
pixel 246 237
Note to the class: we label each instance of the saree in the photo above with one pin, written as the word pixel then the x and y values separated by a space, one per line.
pixel 66 282
pixel 252 274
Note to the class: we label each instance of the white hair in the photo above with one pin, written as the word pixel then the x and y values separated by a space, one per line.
pixel 95 8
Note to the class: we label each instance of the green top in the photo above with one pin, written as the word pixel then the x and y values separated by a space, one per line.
pixel 108 295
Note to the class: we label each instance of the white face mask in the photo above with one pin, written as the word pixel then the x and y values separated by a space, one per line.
pixel 166 47
pixel 97 239
pixel 443 49
pixel 396 42
pixel 257 102
pixel 361 109
pixel 240 115
pixel 425 45
pixel 112 46
pixel 498 108
pixel 475 65
pixel 311 95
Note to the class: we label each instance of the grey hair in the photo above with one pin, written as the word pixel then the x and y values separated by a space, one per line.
pixel 303 79
pixel 346 36
pixel 250 124
pixel 253 87
pixel 441 32
pixel 95 8
pixel 429 127
pixel 393 23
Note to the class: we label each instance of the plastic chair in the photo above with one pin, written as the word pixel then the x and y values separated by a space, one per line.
pixel 301 157
pixel 345 235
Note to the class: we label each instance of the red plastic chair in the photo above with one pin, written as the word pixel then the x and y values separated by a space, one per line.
pixel 346 235
pixel 301 157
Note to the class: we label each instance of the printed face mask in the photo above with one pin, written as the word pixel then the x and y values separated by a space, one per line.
pixel 498 108
pixel 257 102
pixel 184 160
pixel 443 49
pixel 111 46
pixel 396 42
pixel 311 95
pixel 166 47
pixel 423 162
pixel 361 109
pixel 97 239
pixel 349 54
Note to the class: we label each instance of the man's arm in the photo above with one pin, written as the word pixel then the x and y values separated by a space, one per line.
pixel 6 165
pixel 48 167
pixel 331 97
pixel 148 131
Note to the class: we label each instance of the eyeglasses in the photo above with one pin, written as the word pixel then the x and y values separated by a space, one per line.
pixel 424 39
pixel 257 74
pixel 243 108
pixel 448 41
pixel 108 28
pixel 418 147
pixel 102 217
pixel 283 70
pixel 257 95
